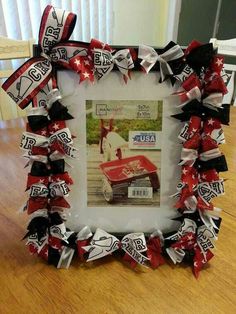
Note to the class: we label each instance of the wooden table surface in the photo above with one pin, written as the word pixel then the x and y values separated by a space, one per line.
pixel 28 285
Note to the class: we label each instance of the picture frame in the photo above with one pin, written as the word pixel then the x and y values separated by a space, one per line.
pixel 133 152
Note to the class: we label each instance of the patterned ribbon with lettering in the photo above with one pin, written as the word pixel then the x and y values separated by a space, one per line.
pixel 103 243
pixel 26 82
pixel 104 62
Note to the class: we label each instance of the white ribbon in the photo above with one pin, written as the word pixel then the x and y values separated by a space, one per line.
pixel 59 231
pixel 188 156
pixel 149 57
pixel 38 244
pixel 218 136
pixel 84 234
pixel 52 97
pixel 176 255
pixel 210 154
pixel 32 158
pixel 194 93
pixel 213 101
pixel 104 62
pixel 103 244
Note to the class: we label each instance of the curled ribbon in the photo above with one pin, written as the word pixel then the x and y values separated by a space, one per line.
pixel 149 57
pixel 103 244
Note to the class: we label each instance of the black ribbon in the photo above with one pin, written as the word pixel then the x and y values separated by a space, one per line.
pixel 57 166
pixel 57 112
pixel 38 225
pixel 55 219
pixel 37 122
pixel 39 169
pixel 53 256
pixel 200 57
pixel 218 163
pixel 196 108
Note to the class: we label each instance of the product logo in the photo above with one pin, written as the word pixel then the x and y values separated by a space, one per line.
pixel 145 139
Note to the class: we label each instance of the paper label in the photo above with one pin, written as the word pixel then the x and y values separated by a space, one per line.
pixel 140 192
pixel 123 152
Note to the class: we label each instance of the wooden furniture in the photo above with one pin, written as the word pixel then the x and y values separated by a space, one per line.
pixel 29 285
pixel 11 49
pixel 228 48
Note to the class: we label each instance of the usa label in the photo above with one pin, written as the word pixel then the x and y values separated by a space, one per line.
pixel 144 140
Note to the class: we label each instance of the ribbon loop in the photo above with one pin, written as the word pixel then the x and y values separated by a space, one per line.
pixel 104 62
pixel 26 82
pixel 103 243
pixel 149 57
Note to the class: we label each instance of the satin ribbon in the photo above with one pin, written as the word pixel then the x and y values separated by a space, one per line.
pixel 26 82
pixel 149 57
pixel 61 141
pixel 192 90
pixel 202 239
pixel 82 62
pixel 195 108
pixel 40 117
pixel 198 55
pixel 213 101
pixel 83 239
pixel 154 249
pixel 104 62
pixel 103 243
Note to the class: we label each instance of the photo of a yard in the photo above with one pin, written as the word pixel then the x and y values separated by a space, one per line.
pixel 112 167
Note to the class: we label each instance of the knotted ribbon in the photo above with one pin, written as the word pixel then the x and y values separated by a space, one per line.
pixel 149 58
pixel 104 62
pixel 26 82
pixel 103 244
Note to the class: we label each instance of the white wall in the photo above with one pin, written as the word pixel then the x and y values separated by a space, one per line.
pixel 140 21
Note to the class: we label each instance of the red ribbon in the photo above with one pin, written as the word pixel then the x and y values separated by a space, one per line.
pixel 82 63
pixel 154 252
pixel 189 242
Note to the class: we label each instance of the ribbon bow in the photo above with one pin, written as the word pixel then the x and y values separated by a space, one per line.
pixel 199 55
pixel 103 244
pixel 26 82
pixel 104 62
pixel 149 58
pixel 199 243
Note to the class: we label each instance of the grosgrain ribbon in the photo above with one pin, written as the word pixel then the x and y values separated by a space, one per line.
pixel 149 57
pixel 62 138
pixel 103 243
pixel 26 82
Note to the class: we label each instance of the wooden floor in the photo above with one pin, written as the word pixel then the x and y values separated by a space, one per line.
pixel 95 176
pixel 28 285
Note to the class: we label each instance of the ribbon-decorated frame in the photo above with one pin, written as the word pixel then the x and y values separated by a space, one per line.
pixel 198 72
